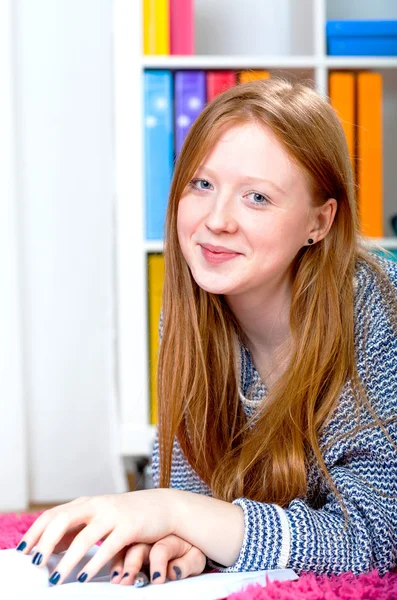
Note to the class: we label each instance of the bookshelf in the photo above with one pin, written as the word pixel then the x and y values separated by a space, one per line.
pixel 131 248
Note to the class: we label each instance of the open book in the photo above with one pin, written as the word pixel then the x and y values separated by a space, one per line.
pixel 19 578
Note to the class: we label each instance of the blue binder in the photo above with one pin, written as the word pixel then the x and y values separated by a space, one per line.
pixel 159 149
pixel 362 38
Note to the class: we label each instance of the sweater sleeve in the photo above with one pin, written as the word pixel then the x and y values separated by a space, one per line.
pixel 305 538
pixel 309 535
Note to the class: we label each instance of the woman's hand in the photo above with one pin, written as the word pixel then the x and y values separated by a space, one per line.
pixel 119 519
pixel 172 558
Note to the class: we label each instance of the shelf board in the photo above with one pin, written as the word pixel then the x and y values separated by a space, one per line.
pixel 207 61
pixel 389 243
pixel 158 246
pixel 360 62
pixel 154 246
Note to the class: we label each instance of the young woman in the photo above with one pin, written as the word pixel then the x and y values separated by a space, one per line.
pixel 277 377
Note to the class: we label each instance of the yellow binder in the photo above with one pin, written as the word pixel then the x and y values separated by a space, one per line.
pixel 156 27
pixel 155 281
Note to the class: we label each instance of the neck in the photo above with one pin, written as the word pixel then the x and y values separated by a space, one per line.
pixel 264 318
pixel 265 324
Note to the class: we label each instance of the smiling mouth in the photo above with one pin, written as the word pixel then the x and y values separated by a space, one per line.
pixel 217 257
pixel 218 251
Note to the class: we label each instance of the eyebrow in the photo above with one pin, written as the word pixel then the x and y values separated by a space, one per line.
pixel 203 169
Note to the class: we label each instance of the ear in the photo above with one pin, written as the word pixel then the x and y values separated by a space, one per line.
pixel 323 218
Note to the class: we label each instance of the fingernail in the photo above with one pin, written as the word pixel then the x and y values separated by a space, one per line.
pixel 125 575
pixel 21 546
pixel 178 572
pixel 115 573
pixel 155 575
pixel 82 577
pixel 55 577
pixel 38 557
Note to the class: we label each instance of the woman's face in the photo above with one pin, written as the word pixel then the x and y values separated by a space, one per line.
pixel 251 198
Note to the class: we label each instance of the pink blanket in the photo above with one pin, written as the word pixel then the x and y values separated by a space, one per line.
pixel 369 586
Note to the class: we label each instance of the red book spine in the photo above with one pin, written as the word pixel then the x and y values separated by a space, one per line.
pixel 218 82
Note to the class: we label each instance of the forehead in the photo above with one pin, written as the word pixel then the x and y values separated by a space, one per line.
pixel 252 149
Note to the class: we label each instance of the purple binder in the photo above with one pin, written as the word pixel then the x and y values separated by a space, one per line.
pixel 190 99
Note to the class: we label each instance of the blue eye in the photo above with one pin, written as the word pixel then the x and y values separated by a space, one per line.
pixel 194 183
pixel 259 198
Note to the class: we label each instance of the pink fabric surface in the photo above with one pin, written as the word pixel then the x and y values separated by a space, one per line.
pixel 13 526
pixel 368 586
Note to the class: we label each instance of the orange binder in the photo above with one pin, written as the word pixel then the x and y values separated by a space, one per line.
pixel 342 97
pixel 370 153
pixel 246 76
pixel 155 284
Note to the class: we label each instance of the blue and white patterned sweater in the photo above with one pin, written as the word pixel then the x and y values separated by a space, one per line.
pixel 308 535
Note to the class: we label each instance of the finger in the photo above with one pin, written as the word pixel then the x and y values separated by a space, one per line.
pixel 61 523
pixel 116 566
pixel 135 558
pixel 114 542
pixel 162 552
pixel 192 563
pixel 34 533
pixel 78 549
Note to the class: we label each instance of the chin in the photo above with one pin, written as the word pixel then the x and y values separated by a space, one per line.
pixel 214 287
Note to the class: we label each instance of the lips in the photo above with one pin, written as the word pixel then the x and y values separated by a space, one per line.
pixel 218 249
pixel 217 258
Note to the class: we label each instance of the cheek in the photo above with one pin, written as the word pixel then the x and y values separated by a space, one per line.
pixel 184 228
pixel 287 228
pixel 186 218
pixel 181 227
pixel 277 239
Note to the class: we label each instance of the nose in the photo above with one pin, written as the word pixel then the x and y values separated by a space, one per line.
pixel 220 216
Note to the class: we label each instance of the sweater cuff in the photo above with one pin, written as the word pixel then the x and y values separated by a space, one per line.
pixel 266 542
pixel 285 538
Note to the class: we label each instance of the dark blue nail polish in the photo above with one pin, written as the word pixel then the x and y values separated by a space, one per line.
pixel 55 577
pixel 178 572
pixel 155 575
pixel 38 557
pixel 115 573
pixel 21 546
pixel 83 577
pixel 125 575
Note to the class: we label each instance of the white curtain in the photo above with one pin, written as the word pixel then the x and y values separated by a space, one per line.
pixel 59 412
pixel 13 470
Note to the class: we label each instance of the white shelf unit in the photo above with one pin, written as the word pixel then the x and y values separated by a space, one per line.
pixel 132 248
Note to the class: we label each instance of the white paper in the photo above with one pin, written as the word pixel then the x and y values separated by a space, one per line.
pixel 19 578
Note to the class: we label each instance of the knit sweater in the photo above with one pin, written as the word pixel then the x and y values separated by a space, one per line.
pixel 308 534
